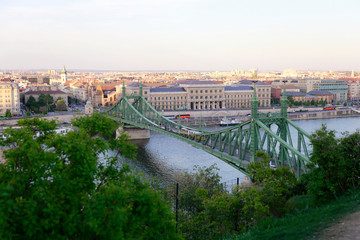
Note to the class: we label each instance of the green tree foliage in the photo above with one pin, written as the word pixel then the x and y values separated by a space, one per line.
pixel 207 211
pixel 276 184
pixel 32 104
pixel 53 186
pixel 61 105
pixel 22 98
pixel 290 99
pixel 345 104
pixel 28 113
pixel 8 113
pixel 334 164
pixel 194 190
pixel 45 100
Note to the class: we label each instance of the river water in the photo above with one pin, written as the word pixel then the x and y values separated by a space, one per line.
pixel 162 156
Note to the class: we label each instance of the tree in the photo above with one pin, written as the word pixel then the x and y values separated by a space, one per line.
pixel 28 113
pixel 8 113
pixel 276 184
pixel 45 100
pixel 31 102
pixel 22 98
pixel 53 186
pixel 60 105
pixel 334 164
pixel 290 99
pixel 345 104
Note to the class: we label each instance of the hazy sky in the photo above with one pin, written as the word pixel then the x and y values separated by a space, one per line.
pixel 180 34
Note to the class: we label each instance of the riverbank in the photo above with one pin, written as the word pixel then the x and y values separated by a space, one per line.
pixel 294 115
pixel 59 117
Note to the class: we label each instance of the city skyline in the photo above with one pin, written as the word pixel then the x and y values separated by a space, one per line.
pixel 174 35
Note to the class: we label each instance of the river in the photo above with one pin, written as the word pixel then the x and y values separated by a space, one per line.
pixel 162 156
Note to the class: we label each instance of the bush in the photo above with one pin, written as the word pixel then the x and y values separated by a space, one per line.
pixel 335 164
pixel 8 113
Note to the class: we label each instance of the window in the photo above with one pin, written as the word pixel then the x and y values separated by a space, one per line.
pixel 200 91
pixel 205 91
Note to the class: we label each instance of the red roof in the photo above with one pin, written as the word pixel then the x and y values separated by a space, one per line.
pixel 44 92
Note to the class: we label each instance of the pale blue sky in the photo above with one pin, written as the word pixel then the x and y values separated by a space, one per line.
pixel 180 34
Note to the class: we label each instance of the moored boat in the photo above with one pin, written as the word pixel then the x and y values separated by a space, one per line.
pixel 227 122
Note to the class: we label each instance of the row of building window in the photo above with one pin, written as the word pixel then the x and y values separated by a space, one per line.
pixel 167 98
pixel 205 91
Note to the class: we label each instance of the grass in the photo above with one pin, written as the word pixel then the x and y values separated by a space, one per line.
pixel 304 225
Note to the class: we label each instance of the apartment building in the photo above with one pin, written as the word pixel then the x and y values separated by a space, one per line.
pixel 9 98
pixel 338 88
pixel 354 88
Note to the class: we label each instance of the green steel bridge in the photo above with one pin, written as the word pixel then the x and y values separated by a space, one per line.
pixel 235 145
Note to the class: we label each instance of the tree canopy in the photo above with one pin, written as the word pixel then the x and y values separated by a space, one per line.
pixel 54 186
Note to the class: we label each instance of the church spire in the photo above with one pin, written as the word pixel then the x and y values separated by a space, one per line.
pixel 64 70
pixel 64 76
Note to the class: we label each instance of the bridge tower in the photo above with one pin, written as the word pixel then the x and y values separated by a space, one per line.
pixel 123 96
pixel 254 115
pixel 282 125
pixel 141 98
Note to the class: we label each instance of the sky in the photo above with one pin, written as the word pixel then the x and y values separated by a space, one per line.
pixel 180 35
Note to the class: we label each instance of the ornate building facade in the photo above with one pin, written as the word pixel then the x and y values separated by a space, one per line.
pixel 201 95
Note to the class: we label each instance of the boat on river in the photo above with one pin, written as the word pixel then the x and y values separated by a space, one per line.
pixel 229 122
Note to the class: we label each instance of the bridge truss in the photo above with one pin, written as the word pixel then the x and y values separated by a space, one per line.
pixel 235 145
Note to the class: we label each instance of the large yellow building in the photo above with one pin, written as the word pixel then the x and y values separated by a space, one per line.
pixel 9 98
pixel 201 95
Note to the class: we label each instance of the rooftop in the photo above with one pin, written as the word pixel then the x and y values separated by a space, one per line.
pixel 250 82
pixel 136 85
pixel 166 89
pixel 293 94
pixel 196 82
pixel 320 93
pixel 30 92
pixel 240 88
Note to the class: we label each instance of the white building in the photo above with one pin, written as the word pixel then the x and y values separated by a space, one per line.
pixel 9 98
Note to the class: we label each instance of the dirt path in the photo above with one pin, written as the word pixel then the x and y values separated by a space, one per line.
pixel 345 228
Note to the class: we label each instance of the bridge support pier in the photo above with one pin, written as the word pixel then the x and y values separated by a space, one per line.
pixel 134 133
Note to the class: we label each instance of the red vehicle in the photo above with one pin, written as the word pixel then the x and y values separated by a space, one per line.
pixel 329 108
pixel 183 116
